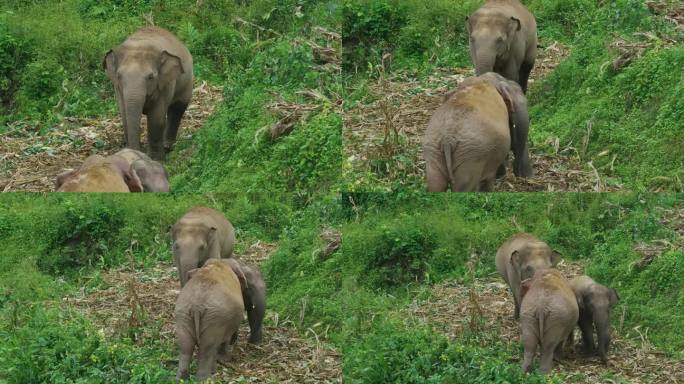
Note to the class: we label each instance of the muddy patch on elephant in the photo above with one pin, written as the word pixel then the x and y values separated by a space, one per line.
pixel 140 305
pixel 30 162
pixel 454 309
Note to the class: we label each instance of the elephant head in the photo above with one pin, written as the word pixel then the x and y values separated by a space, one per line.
pixel 192 246
pixel 490 36
pixel 153 176
pixel 529 259
pixel 140 73
pixel 518 121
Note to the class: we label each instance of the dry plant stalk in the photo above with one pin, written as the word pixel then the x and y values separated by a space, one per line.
pixel 474 308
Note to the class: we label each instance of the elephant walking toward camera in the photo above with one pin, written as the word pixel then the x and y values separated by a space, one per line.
pixel 201 234
pixel 468 138
pixel 596 304
pixel 548 315
pixel 208 313
pixel 519 258
pixel 152 75
pixel 503 39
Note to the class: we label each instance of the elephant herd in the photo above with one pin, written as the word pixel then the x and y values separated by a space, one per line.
pixel 216 289
pixel 151 72
pixel 549 306
pixel 468 137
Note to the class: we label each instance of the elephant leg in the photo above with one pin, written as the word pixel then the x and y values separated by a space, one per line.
pixel 587 327
pixel 173 119
pixel 525 70
pixel 186 345
pixel 512 71
pixel 530 343
pixel 255 318
pixel 548 349
pixel 435 170
pixel 208 350
pixel 501 171
pixel 487 185
pixel 156 121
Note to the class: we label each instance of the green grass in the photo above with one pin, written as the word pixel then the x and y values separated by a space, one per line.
pixel 51 54
pixel 395 247
pixel 634 112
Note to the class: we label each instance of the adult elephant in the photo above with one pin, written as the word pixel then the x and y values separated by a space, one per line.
pixel 468 138
pixel 152 75
pixel 503 39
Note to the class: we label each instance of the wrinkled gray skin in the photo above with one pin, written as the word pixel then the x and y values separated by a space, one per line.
pixel 519 258
pixel 253 294
pixel 152 174
pixel 152 74
pixel 548 314
pixel 208 313
pixel 503 39
pixel 201 234
pixel 597 302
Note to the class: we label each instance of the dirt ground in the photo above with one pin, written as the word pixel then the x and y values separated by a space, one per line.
pixel 31 163
pixel 142 303
pixel 405 105
pixel 451 305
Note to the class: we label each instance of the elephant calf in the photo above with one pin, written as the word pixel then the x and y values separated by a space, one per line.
pixel 519 258
pixel 253 294
pixel 596 303
pixel 548 314
pixel 152 74
pixel 99 174
pixel 201 234
pixel 503 39
pixel 468 138
pixel 208 313
pixel 152 174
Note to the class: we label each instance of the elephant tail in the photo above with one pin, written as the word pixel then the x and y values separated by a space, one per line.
pixel 541 315
pixel 198 328
pixel 447 151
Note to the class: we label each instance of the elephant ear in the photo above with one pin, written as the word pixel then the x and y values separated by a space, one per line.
pixel 211 234
pixel 110 63
pixel 190 273
pixel 515 258
pixel 170 68
pixel 63 177
pixel 580 301
pixel 513 25
pixel 614 298
pixel 133 181
pixel 555 258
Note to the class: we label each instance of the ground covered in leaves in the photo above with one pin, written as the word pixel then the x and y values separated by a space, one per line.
pixel 140 304
pixel 382 137
pixel 32 161
pixel 487 306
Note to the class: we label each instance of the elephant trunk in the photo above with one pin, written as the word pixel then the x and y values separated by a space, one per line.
pixel 134 101
pixel 602 323
pixel 484 62
pixel 186 266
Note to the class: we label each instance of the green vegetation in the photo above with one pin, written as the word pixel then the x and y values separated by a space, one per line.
pixel 394 249
pixel 624 118
pixel 51 68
